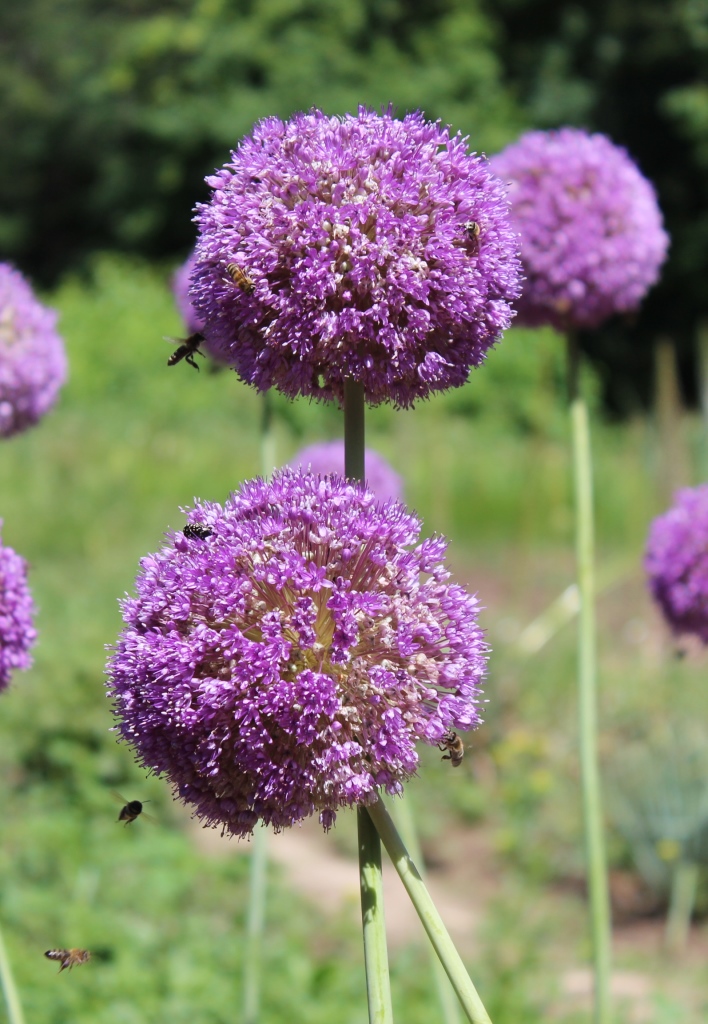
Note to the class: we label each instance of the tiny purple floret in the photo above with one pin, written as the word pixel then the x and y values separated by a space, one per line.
pixel 33 363
pixel 287 662
pixel 592 235
pixel 328 457
pixel 676 562
pixel 373 249
pixel 17 632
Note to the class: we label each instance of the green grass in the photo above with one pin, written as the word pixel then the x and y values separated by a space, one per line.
pixel 92 489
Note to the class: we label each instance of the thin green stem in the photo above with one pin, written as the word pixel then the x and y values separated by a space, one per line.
pixel 254 927
pixel 587 682
pixel 378 986
pixel 267 435
pixel 449 1005
pixel 12 997
pixel 430 918
pixel 683 897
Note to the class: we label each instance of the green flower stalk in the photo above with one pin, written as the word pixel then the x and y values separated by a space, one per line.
pixel 12 997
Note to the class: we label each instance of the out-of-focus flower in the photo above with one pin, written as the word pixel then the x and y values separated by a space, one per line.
pixel 17 632
pixel 285 656
pixel 361 248
pixel 32 359
pixel 180 289
pixel 592 236
pixel 676 562
pixel 328 457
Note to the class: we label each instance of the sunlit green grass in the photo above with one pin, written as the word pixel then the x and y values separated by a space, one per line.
pixel 92 489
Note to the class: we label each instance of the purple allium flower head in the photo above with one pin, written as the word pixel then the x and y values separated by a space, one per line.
pixel 360 247
pixel 328 457
pixel 592 236
pixel 32 358
pixel 17 633
pixel 676 562
pixel 285 658
pixel 180 290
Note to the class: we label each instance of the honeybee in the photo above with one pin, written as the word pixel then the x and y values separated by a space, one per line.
pixel 192 530
pixel 68 957
pixel 472 229
pixel 455 749
pixel 131 810
pixel 189 347
pixel 240 278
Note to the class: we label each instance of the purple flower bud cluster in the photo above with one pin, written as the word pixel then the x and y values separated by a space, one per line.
pixel 284 656
pixel 362 248
pixel 17 632
pixel 676 562
pixel 180 290
pixel 33 363
pixel 328 457
pixel 592 236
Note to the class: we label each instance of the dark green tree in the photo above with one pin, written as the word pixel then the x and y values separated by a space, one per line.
pixel 112 111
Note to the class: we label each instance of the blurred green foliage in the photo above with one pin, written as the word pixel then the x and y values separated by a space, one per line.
pixel 90 490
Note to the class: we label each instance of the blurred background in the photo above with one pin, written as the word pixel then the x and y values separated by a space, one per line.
pixel 111 114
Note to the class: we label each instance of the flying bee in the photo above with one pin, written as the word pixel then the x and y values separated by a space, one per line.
pixel 132 809
pixel 189 347
pixel 240 278
pixel 193 530
pixel 455 749
pixel 68 957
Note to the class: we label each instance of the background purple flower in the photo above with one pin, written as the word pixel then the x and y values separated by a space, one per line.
pixel 32 359
pixel 287 660
pixel 676 562
pixel 362 247
pixel 17 633
pixel 180 289
pixel 328 457
pixel 592 237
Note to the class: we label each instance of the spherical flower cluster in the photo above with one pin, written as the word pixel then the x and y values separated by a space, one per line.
pixel 284 654
pixel 676 562
pixel 17 633
pixel 361 248
pixel 32 359
pixel 328 457
pixel 180 290
pixel 592 237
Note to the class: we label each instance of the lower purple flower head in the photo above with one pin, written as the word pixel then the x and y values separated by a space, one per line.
pixel 362 248
pixel 676 562
pixel 592 236
pixel 286 652
pixel 17 632
pixel 328 457
pixel 180 289
pixel 33 363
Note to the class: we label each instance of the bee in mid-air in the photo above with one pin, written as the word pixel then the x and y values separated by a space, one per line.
pixel 455 749
pixel 131 809
pixel 189 347
pixel 240 278
pixel 193 530
pixel 68 957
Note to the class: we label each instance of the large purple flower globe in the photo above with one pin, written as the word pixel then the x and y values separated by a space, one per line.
pixel 286 652
pixel 676 562
pixel 180 290
pixel 17 632
pixel 592 236
pixel 361 248
pixel 328 457
pixel 33 363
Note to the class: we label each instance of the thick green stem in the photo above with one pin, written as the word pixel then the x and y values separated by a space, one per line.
pixel 12 998
pixel 449 1006
pixel 683 897
pixel 587 682
pixel 430 918
pixel 254 927
pixel 370 877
